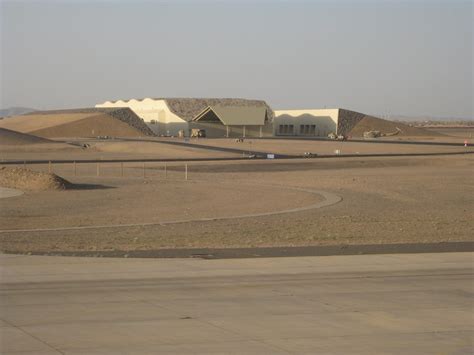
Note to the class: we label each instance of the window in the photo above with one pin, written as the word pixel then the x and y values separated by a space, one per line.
pixel 307 130
pixel 285 129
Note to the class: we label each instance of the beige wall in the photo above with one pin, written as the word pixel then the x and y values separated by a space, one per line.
pixel 169 129
pixel 218 130
pixel 152 110
pixel 325 120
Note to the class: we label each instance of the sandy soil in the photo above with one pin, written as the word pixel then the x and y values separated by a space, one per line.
pixel 299 147
pixel 448 135
pixel 385 200
pixel 148 201
pixel 369 123
pixel 460 132
pixel 117 149
pixel 107 150
pixel 156 149
pixel 33 122
pixel 30 151
pixel 13 138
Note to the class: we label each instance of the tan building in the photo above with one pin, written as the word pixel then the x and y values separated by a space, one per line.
pixel 315 122
pixel 218 117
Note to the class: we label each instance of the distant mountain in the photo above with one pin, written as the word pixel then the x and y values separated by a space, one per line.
pixel 15 111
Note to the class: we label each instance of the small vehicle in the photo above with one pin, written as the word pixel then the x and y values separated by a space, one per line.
pixel 337 137
pixel 198 133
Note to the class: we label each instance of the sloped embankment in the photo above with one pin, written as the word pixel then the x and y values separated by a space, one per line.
pixel 369 123
pixel 354 124
pixel 85 122
pixel 9 137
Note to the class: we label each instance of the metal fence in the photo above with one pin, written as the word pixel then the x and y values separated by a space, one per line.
pixel 144 170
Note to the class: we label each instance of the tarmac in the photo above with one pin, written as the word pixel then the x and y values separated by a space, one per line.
pixel 359 304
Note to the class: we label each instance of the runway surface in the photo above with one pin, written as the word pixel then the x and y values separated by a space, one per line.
pixel 381 304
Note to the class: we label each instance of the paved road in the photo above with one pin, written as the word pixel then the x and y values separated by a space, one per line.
pixel 393 304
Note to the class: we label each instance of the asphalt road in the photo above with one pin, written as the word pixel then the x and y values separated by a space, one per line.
pixel 365 304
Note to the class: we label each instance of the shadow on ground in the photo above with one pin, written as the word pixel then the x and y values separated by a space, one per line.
pixel 266 252
pixel 89 187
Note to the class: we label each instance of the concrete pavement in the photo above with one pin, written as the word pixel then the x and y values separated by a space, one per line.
pixel 380 304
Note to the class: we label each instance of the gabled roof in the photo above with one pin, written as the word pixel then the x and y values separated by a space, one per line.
pixel 236 115
pixel 189 108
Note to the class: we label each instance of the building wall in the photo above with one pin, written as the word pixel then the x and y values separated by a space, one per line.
pixel 218 130
pixel 150 110
pixel 168 129
pixel 214 130
pixel 321 122
pixel 162 121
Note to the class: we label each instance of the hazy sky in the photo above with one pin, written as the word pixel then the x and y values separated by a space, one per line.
pixel 378 57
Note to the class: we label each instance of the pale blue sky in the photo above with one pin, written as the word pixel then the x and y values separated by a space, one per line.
pixel 379 57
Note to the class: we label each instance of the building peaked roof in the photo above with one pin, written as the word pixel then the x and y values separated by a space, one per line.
pixel 189 108
pixel 234 115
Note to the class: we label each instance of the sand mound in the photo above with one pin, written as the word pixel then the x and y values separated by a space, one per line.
pixel 9 137
pixel 86 122
pixel 25 179
pixel 369 123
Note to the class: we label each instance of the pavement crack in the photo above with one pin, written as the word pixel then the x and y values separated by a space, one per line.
pixel 33 336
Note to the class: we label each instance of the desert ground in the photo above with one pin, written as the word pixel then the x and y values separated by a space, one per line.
pixel 450 132
pixel 111 149
pixel 119 203
pixel 384 200
pixel 217 148
pixel 297 147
